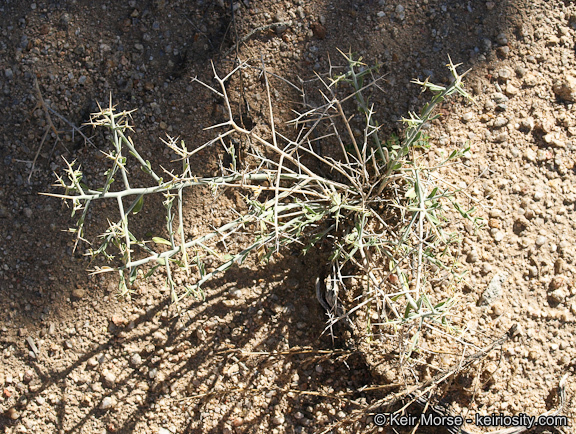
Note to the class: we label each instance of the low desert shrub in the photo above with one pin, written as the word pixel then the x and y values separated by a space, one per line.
pixel 382 210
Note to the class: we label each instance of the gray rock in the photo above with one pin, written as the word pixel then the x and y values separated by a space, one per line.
pixel 504 74
pixel 500 121
pixel 499 97
pixel 65 19
pixel 502 39
pixel 501 138
pixel 486 44
pixel 520 71
pixel 494 289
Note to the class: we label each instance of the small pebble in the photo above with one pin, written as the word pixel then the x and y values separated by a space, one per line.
pixel 400 12
pixel 512 90
pixel 107 403
pixel 136 359
pixel 486 269
pixel 565 88
pixel 497 308
pixel 504 74
pixel 520 71
pixel 501 138
pixel 540 241
pixel 78 293
pixel 497 235
pixel 499 97
pixel 13 413
pixel 472 257
pixel 503 51
pixel 235 292
pixel 502 39
pixel 500 121
pixel 527 123
pixel 558 296
pixel 28 376
pixel 493 290
pixel 530 155
pixel 109 379
pixel 278 420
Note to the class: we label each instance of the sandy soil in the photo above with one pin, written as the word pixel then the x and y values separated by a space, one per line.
pixel 251 358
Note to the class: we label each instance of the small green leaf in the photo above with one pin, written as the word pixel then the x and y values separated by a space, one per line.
pixel 138 207
pixel 159 240
pixel 133 275
pixel 411 194
pixel 151 272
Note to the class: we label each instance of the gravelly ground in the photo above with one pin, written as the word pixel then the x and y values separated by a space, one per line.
pixel 250 359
